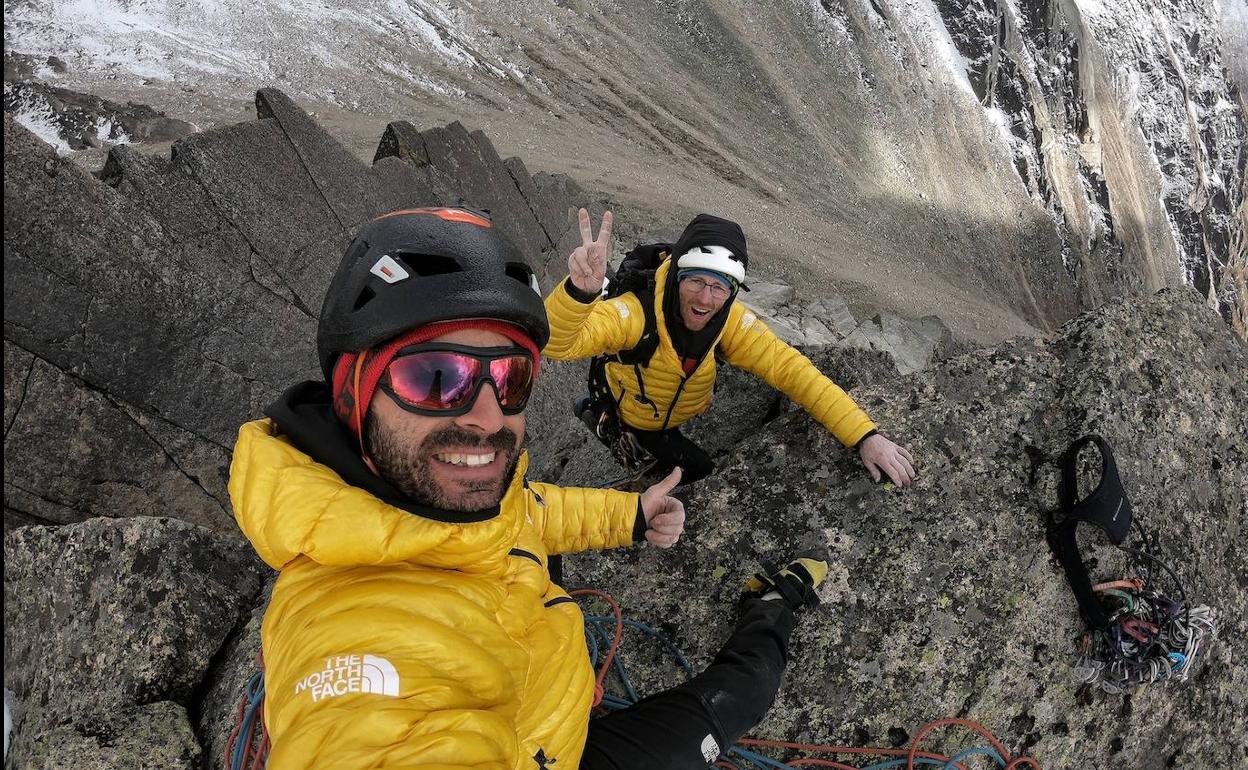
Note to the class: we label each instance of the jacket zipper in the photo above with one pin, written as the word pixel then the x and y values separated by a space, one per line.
pixel 681 387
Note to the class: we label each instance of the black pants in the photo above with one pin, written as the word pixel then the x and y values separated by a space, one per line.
pixel 687 727
pixel 671 448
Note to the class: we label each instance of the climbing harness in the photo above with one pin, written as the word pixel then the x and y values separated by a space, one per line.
pixel 600 413
pixel 1136 635
pixel 604 636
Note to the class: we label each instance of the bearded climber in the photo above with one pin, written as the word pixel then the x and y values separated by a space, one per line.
pixel 688 319
pixel 414 623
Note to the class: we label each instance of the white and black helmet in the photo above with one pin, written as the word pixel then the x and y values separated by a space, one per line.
pixel 713 243
pixel 419 266
pixel 711 257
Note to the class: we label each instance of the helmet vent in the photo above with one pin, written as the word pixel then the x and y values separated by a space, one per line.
pixel 426 265
pixel 520 272
pixel 364 298
pixel 524 274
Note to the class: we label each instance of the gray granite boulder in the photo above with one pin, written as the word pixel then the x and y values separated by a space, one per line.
pixel 111 625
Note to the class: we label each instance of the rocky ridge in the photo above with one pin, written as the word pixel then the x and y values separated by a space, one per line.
pixel 170 299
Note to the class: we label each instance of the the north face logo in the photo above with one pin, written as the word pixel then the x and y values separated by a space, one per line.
pixel 710 749
pixel 344 674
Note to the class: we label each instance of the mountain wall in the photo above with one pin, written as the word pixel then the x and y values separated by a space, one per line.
pixel 1001 163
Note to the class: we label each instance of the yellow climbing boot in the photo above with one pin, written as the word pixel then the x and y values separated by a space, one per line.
pixel 794 584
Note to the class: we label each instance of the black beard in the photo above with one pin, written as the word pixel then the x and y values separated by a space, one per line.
pixel 406 471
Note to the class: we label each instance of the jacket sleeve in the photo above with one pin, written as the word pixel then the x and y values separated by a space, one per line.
pixel 580 519
pixel 586 329
pixel 750 345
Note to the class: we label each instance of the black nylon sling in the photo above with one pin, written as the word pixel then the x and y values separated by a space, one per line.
pixel 1106 506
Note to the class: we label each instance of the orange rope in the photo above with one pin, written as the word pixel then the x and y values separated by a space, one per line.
pixel 913 753
pixel 1135 584
pixel 238 726
pixel 826 749
pixel 615 642
pixel 973 726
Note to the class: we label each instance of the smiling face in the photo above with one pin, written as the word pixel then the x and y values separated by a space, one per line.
pixel 452 463
pixel 701 297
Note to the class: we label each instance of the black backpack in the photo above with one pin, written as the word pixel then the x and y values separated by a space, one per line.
pixel 635 274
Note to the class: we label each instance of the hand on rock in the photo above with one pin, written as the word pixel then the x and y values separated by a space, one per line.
pixel 883 456
pixel 587 265
pixel 665 515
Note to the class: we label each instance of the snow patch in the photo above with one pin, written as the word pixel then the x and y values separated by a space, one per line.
pixel 424 82
pixel 9 698
pixel 106 131
pixel 1001 122
pixel 37 116
pixel 931 26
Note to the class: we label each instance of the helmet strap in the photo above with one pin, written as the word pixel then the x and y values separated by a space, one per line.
pixel 358 415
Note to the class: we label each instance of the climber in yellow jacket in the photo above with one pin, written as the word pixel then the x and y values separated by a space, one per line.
pixel 640 402
pixel 414 623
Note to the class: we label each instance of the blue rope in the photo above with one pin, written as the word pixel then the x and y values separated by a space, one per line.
pixel 255 697
pixel 975 751
pixel 603 637
pixel 617 664
pixel 668 643
pixel 759 759
pixel 591 641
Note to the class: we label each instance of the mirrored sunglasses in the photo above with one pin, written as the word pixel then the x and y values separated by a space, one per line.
pixel 444 380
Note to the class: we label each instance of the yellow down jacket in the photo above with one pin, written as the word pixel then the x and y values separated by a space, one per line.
pixel 583 330
pixel 396 641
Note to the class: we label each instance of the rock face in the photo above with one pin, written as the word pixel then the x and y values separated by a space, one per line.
pixel 149 313
pixel 943 599
pixel 1078 72
pixel 110 626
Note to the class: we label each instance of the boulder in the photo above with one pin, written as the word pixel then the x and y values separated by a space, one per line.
pixel 156 736
pixel 833 313
pixel 110 628
pixel 912 344
pixel 816 332
pixel 767 296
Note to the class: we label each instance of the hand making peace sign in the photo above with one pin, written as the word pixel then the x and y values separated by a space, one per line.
pixel 588 262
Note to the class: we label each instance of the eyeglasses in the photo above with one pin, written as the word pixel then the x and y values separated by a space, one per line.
pixel 444 380
pixel 718 290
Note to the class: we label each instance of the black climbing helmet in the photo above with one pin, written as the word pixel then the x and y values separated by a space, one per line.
pixel 413 267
